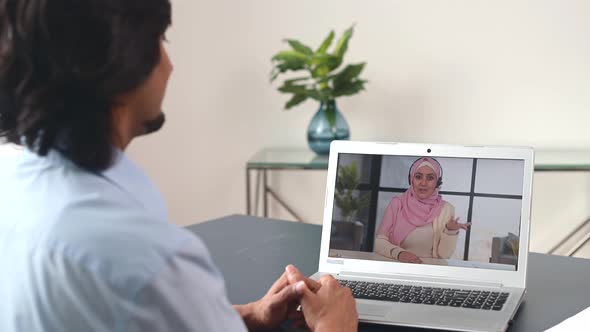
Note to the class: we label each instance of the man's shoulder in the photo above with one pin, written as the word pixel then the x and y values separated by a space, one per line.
pixel 65 213
pixel 121 246
pixel 109 228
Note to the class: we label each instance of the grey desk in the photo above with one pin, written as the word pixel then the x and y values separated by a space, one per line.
pixel 252 252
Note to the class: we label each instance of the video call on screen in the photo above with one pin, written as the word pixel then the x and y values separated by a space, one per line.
pixel 415 209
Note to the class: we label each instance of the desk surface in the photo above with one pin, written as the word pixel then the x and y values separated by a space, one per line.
pixel 298 158
pixel 252 252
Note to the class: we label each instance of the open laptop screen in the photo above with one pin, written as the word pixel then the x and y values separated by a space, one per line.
pixel 428 210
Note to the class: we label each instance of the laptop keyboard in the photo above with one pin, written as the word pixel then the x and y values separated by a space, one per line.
pixel 451 297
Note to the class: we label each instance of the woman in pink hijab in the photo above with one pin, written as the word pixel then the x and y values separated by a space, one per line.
pixel 419 223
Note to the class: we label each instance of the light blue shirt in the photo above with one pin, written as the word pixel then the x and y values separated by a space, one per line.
pixel 96 252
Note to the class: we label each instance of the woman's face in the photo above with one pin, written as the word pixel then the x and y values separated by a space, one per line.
pixel 424 182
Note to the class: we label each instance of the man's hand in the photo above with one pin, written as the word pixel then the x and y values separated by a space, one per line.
pixel 279 303
pixel 331 308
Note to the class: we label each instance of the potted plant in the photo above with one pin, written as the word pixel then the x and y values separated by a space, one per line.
pixel 350 204
pixel 347 182
pixel 323 82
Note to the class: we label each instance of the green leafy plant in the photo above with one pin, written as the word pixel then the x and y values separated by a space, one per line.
pixel 512 242
pixel 347 182
pixel 322 83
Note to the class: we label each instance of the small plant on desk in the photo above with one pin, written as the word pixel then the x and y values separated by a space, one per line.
pixel 349 202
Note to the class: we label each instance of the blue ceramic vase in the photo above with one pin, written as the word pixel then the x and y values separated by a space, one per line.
pixel 327 125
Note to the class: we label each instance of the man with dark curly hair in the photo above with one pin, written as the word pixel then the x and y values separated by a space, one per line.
pixel 85 241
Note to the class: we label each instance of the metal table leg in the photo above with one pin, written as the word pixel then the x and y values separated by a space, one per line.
pixel 264 192
pixel 248 205
pixel 574 241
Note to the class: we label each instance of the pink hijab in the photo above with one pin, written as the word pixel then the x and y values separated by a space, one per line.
pixel 407 212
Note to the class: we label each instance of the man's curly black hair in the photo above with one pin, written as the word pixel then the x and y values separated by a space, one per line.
pixel 62 65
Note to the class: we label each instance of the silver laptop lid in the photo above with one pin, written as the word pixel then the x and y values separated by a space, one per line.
pixel 385 200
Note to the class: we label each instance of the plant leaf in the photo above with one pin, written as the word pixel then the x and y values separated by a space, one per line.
pixel 315 94
pixel 292 88
pixel 324 64
pixel 326 43
pixel 321 71
pixel 324 84
pixel 289 60
pixel 350 88
pixel 289 55
pixel 348 74
pixel 274 74
pixel 326 79
pixel 323 59
pixel 295 100
pixel 293 80
pixel 342 45
pixel 300 47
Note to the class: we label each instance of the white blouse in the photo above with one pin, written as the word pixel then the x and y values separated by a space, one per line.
pixel 419 241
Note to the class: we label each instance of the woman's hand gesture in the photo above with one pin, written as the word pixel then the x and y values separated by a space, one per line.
pixel 453 224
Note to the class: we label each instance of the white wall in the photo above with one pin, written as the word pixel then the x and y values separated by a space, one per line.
pixel 472 72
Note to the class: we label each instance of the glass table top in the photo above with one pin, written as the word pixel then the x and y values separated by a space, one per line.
pixel 303 158
pixel 288 158
pixel 562 160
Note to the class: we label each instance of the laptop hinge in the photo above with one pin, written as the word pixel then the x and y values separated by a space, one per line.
pixel 421 278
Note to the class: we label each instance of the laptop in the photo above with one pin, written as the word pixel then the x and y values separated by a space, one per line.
pixel 449 255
